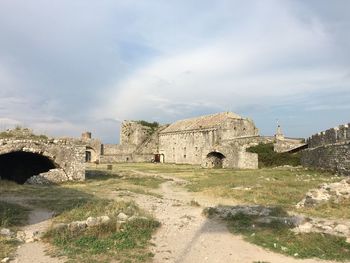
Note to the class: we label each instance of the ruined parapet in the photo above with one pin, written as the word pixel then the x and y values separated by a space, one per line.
pixel 86 135
pixel 329 150
pixel 335 135
pixel 135 132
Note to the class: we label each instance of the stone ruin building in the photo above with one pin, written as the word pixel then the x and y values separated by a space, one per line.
pixel 216 140
pixel 28 158
pixel 329 150
pixel 212 141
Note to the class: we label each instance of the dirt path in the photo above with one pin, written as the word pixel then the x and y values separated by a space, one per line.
pixel 187 236
pixel 33 250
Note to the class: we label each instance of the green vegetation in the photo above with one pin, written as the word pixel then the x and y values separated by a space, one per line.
pixel 153 125
pixel 269 158
pixel 103 191
pixel 21 133
pixel 76 201
pixel 126 243
pixel 277 237
pixel 283 186
pixel 11 216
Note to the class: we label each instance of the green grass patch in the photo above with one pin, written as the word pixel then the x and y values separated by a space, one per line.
pixel 11 216
pixel 126 243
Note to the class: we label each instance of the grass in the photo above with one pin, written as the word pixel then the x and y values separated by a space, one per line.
pixel 128 243
pixel 267 186
pixel 276 236
pixel 11 216
pixel 76 201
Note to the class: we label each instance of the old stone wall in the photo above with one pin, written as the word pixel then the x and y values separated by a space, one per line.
pixel 67 154
pixel 334 135
pixel 133 133
pixel 287 144
pixel 329 150
pixel 230 138
pixel 139 143
pixel 187 147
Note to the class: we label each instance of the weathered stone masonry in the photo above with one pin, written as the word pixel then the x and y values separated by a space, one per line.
pixel 329 150
pixel 67 155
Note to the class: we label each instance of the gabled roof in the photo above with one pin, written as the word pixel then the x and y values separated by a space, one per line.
pixel 202 122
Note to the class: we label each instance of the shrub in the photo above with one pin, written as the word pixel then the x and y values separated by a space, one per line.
pixel 268 157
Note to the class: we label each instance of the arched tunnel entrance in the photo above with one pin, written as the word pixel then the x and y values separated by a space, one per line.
pixel 19 166
pixel 214 160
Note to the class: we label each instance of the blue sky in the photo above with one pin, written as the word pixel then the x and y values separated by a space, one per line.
pixel 69 66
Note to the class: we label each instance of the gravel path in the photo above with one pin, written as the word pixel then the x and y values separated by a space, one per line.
pixel 187 236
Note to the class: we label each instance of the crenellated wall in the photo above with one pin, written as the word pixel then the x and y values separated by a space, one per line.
pixel 335 135
pixel 329 150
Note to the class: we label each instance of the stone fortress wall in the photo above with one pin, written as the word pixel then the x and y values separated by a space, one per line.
pixel 138 143
pixel 329 150
pixel 215 140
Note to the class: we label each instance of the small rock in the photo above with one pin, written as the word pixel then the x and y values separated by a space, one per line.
pixel 77 226
pixel 29 240
pixel 92 221
pixel 284 249
pixel 6 232
pixel 21 236
pixel 104 219
pixel 4 260
pixel 341 229
pixel 59 226
pixel 305 228
pixel 122 217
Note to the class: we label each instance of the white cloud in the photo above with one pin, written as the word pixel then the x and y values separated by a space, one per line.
pixel 275 59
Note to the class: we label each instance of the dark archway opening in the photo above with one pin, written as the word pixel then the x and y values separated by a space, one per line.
pixel 19 166
pixel 215 160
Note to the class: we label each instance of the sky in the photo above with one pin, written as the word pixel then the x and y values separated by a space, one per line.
pixel 72 66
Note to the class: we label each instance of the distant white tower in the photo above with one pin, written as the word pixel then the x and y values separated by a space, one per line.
pixel 279 134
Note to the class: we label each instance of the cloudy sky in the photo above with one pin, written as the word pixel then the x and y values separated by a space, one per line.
pixel 69 66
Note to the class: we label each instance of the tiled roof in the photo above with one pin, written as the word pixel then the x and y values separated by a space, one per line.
pixel 202 122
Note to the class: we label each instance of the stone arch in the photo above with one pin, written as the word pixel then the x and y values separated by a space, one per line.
pixel 90 155
pixel 66 155
pixel 214 160
pixel 19 166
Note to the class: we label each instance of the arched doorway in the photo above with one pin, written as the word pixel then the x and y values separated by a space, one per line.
pixel 90 155
pixel 214 160
pixel 20 166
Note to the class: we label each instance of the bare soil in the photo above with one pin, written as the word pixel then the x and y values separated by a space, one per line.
pixel 188 236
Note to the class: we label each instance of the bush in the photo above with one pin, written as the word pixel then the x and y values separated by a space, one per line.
pixel 269 158
pixel 153 125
